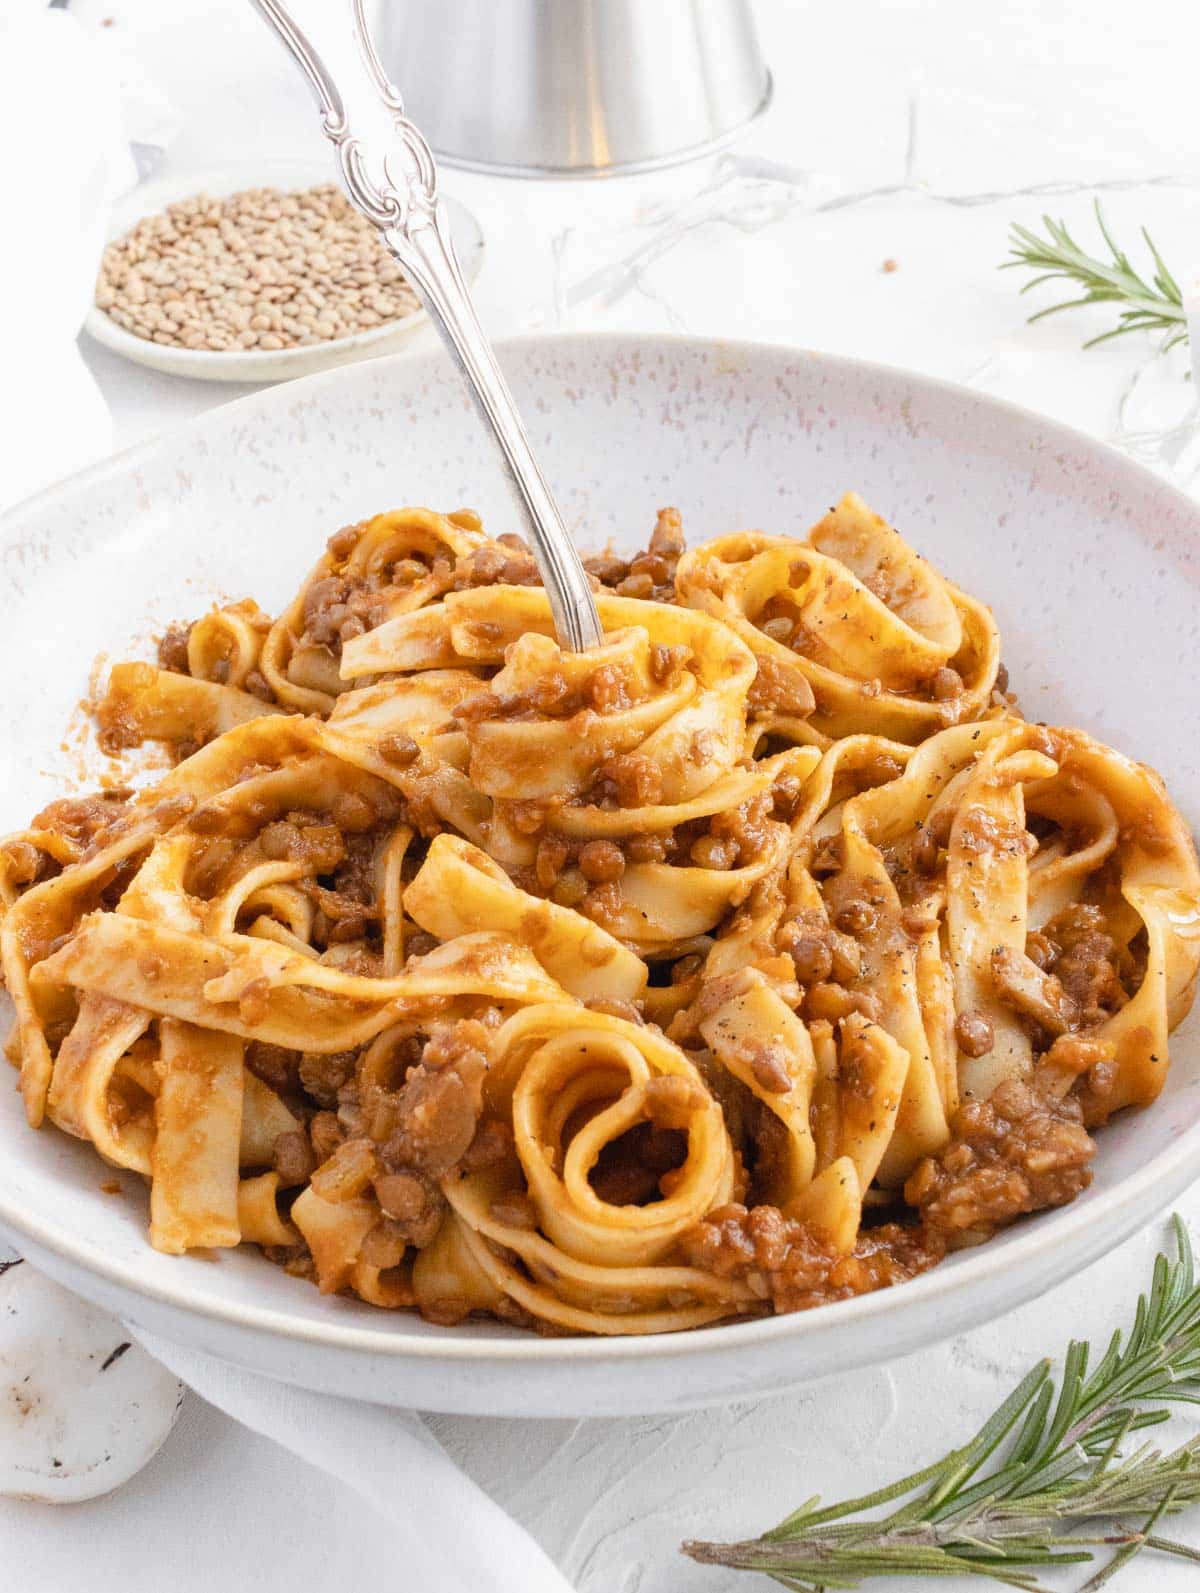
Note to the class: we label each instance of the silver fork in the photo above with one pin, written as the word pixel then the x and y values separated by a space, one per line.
pixel 393 181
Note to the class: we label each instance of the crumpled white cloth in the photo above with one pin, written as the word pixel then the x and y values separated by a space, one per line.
pixel 449 1536
pixel 423 1524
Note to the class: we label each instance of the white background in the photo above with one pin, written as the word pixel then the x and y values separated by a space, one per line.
pixel 911 130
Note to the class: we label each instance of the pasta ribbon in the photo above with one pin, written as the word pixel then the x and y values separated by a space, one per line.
pixel 681 707
pixel 197 1135
pixel 578 1087
pixel 852 630
pixel 261 991
pixel 148 704
pixel 459 890
pixel 392 564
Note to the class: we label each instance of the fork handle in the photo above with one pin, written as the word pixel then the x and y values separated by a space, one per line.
pixel 390 176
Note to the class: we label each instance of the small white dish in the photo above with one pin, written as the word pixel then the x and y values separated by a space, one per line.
pixel 1090 562
pixel 260 365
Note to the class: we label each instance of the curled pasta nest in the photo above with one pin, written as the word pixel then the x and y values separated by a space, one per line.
pixel 748 961
pixel 852 629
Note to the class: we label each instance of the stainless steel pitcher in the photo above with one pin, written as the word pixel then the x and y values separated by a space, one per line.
pixel 565 88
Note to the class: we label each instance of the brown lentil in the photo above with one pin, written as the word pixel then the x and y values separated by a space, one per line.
pixel 399 748
pixel 601 861
pixel 974 1034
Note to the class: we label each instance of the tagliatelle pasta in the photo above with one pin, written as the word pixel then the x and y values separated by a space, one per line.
pixel 852 629
pixel 747 962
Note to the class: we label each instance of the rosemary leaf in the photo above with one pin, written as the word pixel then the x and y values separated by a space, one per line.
pixel 1154 306
pixel 1047 1481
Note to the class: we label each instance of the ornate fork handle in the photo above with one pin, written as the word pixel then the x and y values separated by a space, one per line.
pixel 393 181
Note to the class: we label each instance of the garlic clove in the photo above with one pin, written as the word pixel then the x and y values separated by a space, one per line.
pixel 82 1408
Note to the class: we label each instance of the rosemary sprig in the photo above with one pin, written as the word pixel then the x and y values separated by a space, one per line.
pixel 1048 1480
pixel 1155 306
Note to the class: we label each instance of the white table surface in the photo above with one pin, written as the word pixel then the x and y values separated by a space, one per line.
pixel 910 130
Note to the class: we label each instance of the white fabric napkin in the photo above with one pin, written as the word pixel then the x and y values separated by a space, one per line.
pixel 77 98
pixel 449 1536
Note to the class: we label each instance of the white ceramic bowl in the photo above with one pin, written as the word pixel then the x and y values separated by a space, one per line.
pixel 1092 566
pixel 261 365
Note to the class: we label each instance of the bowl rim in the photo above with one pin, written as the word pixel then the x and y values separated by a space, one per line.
pixel 254 365
pixel 1131 1202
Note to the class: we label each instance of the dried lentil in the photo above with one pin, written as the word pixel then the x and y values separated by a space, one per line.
pixel 261 269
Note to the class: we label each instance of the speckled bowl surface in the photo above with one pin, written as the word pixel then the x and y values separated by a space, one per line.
pixel 1092 565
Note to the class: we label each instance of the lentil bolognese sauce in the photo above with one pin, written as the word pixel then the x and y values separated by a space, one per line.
pixel 752 960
